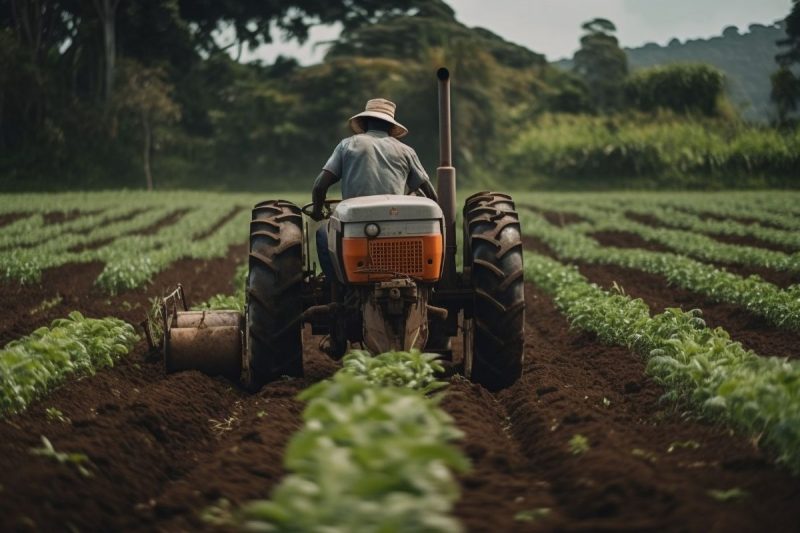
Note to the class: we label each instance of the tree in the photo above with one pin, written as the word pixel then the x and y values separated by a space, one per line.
pixel 785 88
pixel 602 64
pixel 107 13
pixel 792 41
pixel 252 20
pixel 683 88
pixel 146 96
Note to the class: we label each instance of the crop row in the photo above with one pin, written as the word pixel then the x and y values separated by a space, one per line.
pixel 26 264
pixel 374 453
pixel 33 365
pixel 685 242
pixel 674 217
pixel 132 261
pixel 774 208
pixel 670 216
pixel 780 307
pixel 33 231
pixel 764 211
pixel 699 368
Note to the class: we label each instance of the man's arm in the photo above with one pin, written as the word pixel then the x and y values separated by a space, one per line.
pixel 427 189
pixel 325 179
pixel 417 177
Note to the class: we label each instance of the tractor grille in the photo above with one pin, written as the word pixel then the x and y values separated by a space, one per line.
pixel 403 256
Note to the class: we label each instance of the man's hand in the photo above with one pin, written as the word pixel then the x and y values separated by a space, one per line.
pixel 323 181
pixel 428 191
pixel 316 214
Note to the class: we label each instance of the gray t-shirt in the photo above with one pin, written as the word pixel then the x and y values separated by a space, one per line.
pixel 375 163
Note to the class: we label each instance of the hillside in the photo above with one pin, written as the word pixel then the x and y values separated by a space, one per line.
pixel 747 58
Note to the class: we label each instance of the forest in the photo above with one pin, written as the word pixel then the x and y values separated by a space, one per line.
pixel 109 94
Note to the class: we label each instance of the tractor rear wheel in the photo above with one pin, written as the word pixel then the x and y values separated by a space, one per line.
pixel 493 242
pixel 274 345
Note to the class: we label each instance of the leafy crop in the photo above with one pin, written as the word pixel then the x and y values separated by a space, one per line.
pixel 32 365
pixel 413 369
pixel 688 242
pixel 371 456
pixel 119 230
pixel 697 366
pixel 779 307
pixel 229 301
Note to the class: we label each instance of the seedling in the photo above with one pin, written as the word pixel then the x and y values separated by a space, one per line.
pixel 46 304
pixel 55 415
pixel 76 459
pixel 578 444
pixel 685 444
pixel 532 515
pixel 728 495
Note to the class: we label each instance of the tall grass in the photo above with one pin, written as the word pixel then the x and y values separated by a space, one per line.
pixel 656 151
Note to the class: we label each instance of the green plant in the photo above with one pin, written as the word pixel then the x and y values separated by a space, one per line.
pixel 34 364
pixel 55 415
pixel 413 369
pixel 532 515
pixel 699 368
pixel 374 454
pixel 578 444
pixel 729 495
pixel 780 307
pixel 79 460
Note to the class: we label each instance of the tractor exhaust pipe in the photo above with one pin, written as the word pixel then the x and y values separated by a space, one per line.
pixel 446 181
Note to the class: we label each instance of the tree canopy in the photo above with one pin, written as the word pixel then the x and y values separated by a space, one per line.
pixel 602 64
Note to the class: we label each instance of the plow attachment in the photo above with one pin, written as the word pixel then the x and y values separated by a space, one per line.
pixel 208 341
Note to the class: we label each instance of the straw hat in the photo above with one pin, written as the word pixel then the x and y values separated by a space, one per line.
pixel 382 109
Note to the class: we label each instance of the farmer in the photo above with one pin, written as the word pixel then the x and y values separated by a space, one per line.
pixel 371 162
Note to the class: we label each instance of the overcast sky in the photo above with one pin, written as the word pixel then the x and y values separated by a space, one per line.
pixel 552 27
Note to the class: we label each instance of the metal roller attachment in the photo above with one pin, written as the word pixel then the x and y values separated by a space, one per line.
pixel 216 351
pixel 208 341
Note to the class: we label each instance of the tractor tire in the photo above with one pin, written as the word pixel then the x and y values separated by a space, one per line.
pixel 494 240
pixel 273 332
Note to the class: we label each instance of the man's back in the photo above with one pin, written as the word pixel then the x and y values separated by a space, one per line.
pixel 375 163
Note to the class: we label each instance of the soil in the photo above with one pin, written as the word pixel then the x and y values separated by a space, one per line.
pixel 623 239
pixel 163 448
pixel 752 331
pixel 59 217
pixel 728 239
pixel 744 220
pixel 71 287
pixel 8 218
pixel 560 219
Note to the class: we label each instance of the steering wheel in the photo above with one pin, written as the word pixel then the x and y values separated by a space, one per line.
pixel 327 208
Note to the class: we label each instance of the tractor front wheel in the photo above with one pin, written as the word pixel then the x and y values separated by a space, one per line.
pixel 274 345
pixel 494 248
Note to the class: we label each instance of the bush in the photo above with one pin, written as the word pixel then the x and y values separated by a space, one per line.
pixel 660 151
pixel 687 88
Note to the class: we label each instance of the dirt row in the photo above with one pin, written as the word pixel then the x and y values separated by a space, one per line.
pixel 163 448
pixel 623 239
pixel 752 331
pixel 71 287
pixel 740 240
pixel 646 467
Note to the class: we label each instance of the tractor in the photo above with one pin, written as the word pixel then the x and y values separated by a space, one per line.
pixel 397 285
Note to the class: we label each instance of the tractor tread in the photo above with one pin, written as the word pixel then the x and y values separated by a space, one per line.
pixel 274 294
pixel 493 251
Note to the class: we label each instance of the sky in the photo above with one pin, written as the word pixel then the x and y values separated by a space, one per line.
pixel 552 27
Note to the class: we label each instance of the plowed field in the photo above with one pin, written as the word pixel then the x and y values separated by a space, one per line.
pixel 162 448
